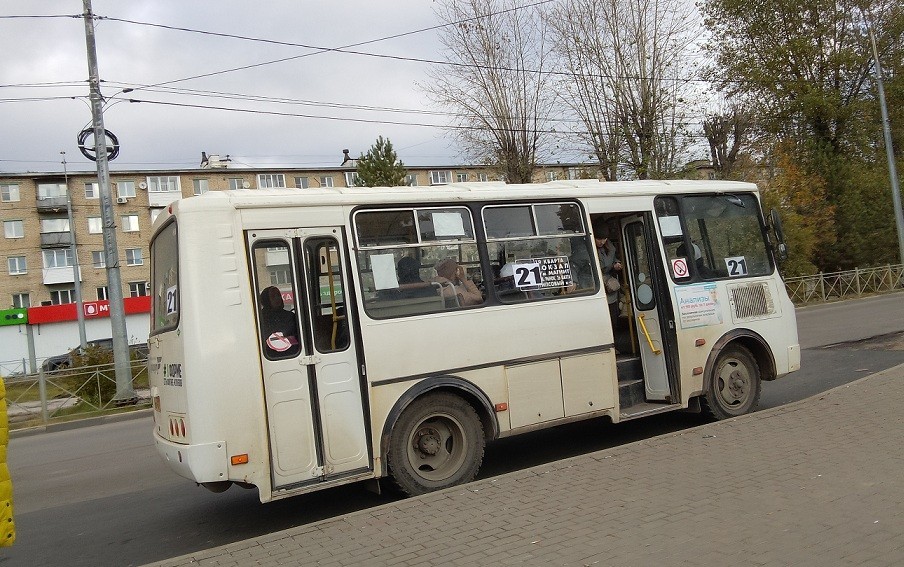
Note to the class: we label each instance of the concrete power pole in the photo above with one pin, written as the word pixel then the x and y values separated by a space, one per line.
pixel 892 170
pixel 125 392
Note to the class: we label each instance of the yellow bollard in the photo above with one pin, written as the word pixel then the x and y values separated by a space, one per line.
pixel 7 527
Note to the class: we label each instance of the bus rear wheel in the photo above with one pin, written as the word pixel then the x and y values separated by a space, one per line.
pixel 735 385
pixel 436 443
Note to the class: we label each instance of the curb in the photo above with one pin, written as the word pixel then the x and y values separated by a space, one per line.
pixel 80 423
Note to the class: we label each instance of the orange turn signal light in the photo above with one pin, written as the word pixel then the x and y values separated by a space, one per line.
pixel 700 342
pixel 239 459
pixel 501 406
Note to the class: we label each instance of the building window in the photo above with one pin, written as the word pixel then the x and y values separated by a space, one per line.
pixel 21 300
pixel 102 293
pixel 61 296
pixel 411 180
pixel 17 265
pixel 301 182
pixel 13 229
pixel 155 212
pixel 130 223
pixel 95 225
pixel 54 225
pixel 92 191
pixel 461 177
pixel 163 184
pixel 439 177
pixel 58 258
pixel 125 189
pixel 51 190
pixel 138 289
pixel 9 193
pixel 133 257
pixel 326 181
pixel 483 177
pixel 200 186
pixel 351 178
pixel 98 259
pixel 236 183
pixel 552 175
pixel 270 180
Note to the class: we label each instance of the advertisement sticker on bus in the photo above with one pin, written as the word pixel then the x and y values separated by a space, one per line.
pixel 698 305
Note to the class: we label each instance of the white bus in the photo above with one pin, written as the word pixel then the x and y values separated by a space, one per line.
pixel 307 339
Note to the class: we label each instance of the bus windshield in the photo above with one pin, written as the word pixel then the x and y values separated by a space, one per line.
pixel 165 277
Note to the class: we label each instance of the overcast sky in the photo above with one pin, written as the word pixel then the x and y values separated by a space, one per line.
pixel 50 53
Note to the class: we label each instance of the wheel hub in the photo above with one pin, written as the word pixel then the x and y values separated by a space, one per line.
pixel 427 442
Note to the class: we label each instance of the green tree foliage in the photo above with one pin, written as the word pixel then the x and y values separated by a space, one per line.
pixel 381 167
pixel 807 66
pixel 807 219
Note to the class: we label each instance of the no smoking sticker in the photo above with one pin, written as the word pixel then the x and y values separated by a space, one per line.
pixel 679 267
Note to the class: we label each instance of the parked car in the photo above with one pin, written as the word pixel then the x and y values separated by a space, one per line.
pixel 60 361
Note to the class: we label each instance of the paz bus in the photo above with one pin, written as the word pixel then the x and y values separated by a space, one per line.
pixel 307 339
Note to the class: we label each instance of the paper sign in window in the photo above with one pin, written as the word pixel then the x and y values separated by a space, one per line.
pixel 670 226
pixel 448 224
pixel 384 272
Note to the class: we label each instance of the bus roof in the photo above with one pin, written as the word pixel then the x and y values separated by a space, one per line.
pixel 481 191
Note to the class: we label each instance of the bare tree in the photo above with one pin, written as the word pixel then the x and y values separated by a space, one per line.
pixel 626 59
pixel 496 86
pixel 727 132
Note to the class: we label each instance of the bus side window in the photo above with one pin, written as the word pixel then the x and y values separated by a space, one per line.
pixel 329 316
pixel 275 294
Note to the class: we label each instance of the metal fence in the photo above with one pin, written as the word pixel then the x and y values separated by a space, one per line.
pixel 842 285
pixel 48 397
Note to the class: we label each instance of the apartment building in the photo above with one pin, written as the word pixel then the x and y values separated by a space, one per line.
pixel 39 267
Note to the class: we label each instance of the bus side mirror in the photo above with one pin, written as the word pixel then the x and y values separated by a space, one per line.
pixel 780 248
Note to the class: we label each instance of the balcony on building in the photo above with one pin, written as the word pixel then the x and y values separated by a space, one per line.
pixel 53 204
pixel 63 275
pixel 55 239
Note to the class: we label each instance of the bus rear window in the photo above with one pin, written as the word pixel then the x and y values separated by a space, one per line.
pixel 165 279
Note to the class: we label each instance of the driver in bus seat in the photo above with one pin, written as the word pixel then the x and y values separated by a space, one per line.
pixel 279 328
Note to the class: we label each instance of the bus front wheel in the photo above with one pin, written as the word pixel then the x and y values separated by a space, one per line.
pixel 735 385
pixel 436 443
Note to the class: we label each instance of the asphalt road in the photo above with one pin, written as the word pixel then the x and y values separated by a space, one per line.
pixel 101 496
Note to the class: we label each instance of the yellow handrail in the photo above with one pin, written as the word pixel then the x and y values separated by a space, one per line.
pixel 646 333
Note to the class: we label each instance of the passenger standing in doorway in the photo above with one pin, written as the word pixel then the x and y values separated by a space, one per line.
pixel 611 267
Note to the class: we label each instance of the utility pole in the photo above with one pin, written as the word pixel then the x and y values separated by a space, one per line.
pixel 76 269
pixel 892 170
pixel 125 392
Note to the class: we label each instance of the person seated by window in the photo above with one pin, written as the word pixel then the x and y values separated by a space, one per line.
pixel 408 271
pixel 699 263
pixel 506 288
pixel 279 328
pixel 455 282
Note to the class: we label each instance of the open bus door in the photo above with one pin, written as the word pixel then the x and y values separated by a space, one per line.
pixel 650 310
pixel 309 359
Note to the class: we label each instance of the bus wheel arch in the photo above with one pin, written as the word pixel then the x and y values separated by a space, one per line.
pixel 738 364
pixel 443 410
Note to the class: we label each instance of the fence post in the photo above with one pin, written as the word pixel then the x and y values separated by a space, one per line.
pixel 857 279
pixel 42 390
pixel 822 286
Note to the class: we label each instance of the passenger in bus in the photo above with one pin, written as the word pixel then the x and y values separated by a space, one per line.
pixel 611 268
pixel 408 271
pixel 279 329
pixel 455 282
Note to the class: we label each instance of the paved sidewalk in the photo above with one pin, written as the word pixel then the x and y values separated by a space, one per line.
pixel 817 482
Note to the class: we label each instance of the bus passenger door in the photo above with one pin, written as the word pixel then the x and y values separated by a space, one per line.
pixel 648 314
pixel 315 413
pixel 333 355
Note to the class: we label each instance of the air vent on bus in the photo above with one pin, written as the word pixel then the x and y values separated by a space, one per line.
pixel 751 300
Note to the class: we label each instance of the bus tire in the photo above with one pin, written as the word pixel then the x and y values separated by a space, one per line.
pixel 436 443
pixel 735 385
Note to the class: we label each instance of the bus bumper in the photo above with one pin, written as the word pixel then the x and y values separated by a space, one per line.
pixel 204 462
